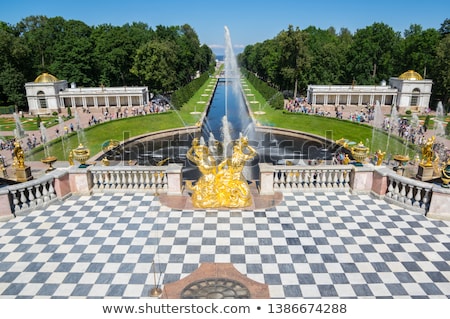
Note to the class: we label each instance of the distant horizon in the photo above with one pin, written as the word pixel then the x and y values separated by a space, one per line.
pixel 249 21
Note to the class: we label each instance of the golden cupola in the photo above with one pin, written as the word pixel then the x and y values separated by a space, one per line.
pixel 410 75
pixel 46 78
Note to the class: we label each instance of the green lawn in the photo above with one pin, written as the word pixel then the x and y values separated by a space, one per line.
pixel 28 123
pixel 94 136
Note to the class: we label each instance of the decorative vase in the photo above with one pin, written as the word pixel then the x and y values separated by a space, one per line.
pixel 360 152
pixel 81 154
pixel 49 161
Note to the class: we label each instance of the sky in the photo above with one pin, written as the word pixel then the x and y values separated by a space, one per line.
pixel 249 22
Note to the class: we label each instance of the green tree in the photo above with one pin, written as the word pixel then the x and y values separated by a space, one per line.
pixel 40 37
pixel 11 84
pixel 72 53
pixel 442 80
pixel 445 27
pixel 154 65
pixel 371 56
pixel 328 56
pixel 13 60
pixel 294 57
pixel 38 121
pixel 419 50
pixel 114 48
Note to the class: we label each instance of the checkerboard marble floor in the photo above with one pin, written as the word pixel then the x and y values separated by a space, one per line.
pixel 312 245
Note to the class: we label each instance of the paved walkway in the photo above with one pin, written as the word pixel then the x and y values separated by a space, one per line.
pixel 311 245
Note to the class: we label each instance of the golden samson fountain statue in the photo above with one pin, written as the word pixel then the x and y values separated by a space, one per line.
pixel 223 184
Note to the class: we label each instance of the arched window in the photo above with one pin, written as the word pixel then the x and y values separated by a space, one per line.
pixel 42 100
pixel 415 97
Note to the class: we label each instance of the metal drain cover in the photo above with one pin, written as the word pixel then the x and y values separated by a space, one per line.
pixel 215 288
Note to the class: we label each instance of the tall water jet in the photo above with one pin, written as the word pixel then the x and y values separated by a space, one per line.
pixel 48 159
pixel 19 131
pixel 439 120
pixel 236 114
pixel 80 132
pixel 44 139
pixel 393 124
pixel 61 133
pixel 377 127
pixel 226 136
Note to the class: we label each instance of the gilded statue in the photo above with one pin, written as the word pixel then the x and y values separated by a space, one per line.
pixel 427 152
pixel 379 156
pixel 19 155
pixel 233 187
pixel 223 184
pixel 204 192
pixel 346 160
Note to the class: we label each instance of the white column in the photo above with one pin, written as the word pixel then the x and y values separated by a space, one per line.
pixel 325 99
pixel 130 101
pixel 349 99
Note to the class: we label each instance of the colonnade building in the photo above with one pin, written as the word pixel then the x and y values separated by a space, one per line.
pixel 409 91
pixel 47 94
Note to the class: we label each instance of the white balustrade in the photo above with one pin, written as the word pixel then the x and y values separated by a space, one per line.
pixel 297 177
pixel 32 194
pixel 408 192
pixel 150 178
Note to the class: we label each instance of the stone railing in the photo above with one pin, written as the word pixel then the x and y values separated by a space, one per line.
pixel 37 193
pixel 406 192
pixel 298 177
pixel 154 179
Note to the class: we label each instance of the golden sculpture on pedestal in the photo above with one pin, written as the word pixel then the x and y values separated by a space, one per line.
pixel 19 156
pixel 23 172
pixel 427 152
pixel 223 184
pixel 379 156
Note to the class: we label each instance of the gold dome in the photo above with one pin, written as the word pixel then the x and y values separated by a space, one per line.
pixel 46 78
pixel 410 75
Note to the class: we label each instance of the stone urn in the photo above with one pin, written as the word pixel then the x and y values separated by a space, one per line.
pixel 360 152
pixel 81 154
pixel 445 175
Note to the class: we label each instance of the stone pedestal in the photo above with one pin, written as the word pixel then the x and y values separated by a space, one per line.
pixel 23 174
pixel 425 173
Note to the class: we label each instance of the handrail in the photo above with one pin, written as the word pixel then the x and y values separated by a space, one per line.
pixel 151 178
